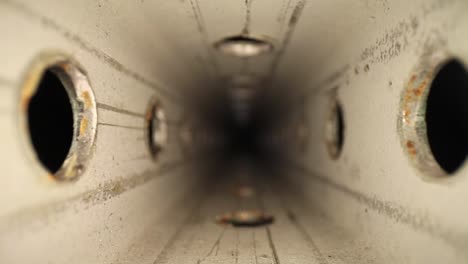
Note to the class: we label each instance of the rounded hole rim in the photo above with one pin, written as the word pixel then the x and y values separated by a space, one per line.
pixel 411 122
pixel 153 109
pixel 335 127
pixel 260 46
pixel 74 80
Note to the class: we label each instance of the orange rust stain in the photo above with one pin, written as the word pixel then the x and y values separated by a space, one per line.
pixel 407 95
pixel 414 90
pixel 83 126
pixel 88 103
pixel 418 91
pixel 65 66
pixel 29 89
pixel 408 99
pixel 410 144
pixel 25 102
pixel 411 147
pixel 50 177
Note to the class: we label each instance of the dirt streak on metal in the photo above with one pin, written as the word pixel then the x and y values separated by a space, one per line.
pixel 417 220
pixel 248 6
pixel 292 23
pixel 45 215
pixel 118 110
pixel 201 27
pixel 84 45
pixel 387 47
pixel 121 126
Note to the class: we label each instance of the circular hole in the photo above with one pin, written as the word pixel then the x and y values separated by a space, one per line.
pixel 334 130
pixel 243 46
pixel 157 128
pixel 59 115
pixel 447 116
pixel 50 119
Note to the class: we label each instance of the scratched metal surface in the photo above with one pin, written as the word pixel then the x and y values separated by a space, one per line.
pixel 368 206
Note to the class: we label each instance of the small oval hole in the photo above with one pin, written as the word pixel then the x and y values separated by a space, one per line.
pixel 156 128
pixel 335 129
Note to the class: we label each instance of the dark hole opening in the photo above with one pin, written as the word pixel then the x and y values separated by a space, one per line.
pixel 154 129
pixel 339 127
pixel 240 38
pixel 243 46
pixel 447 116
pixel 50 118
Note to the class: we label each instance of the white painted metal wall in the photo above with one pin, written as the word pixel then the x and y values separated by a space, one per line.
pixel 370 205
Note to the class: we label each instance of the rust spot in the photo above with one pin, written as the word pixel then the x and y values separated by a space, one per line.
pixel 411 95
pixel 411 147
pixel 25 99
pixel 83 126
pixel 88 103
pixel 419 91
pixel 65 66
pixel 29 88
pixel 407 100
pixel 51 178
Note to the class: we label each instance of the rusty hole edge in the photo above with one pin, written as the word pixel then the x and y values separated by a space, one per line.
pixel 411 121
pixel 76 83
